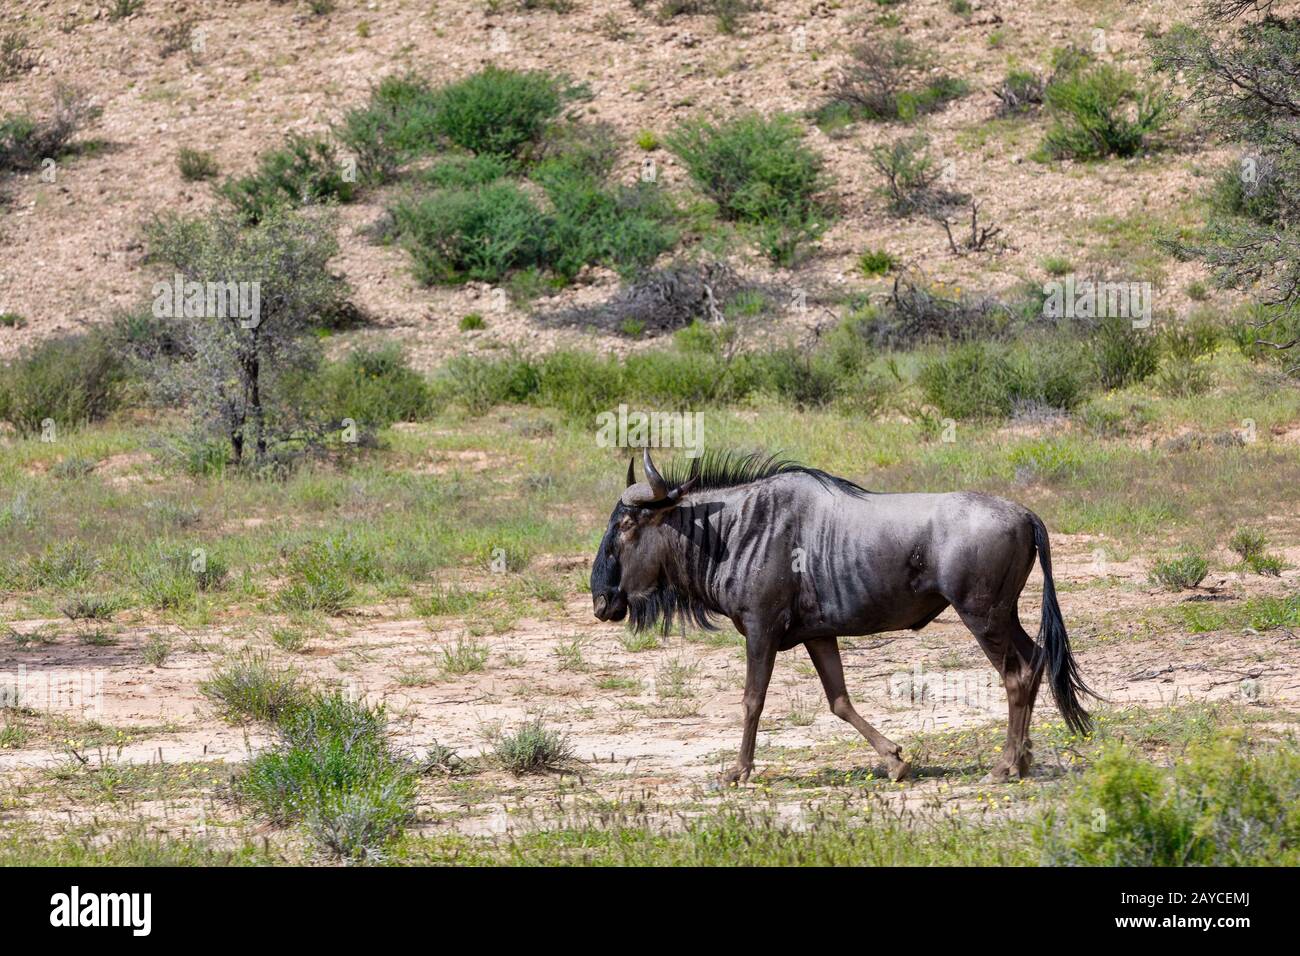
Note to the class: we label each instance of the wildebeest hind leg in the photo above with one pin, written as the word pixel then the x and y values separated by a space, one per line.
pixel 1011 651
pixel 825 654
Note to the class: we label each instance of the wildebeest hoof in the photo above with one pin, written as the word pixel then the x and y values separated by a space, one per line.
pixel 734 777
pixel 899 770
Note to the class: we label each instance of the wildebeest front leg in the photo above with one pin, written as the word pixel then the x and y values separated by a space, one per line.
pixel 760 657
pixel 825 654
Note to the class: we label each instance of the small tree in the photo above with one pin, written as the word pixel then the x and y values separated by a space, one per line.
pixel 1248 89
pixel 238 373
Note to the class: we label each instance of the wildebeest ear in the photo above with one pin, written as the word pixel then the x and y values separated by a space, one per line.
pixel 631 472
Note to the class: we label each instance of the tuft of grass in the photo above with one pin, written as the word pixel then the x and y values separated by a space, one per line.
pixel 250 687
pixel 89 607
pixel 156 650
pixel 1180 573
pixel 464 656
pixel 532 747
pixel 195 165
pixel 876 262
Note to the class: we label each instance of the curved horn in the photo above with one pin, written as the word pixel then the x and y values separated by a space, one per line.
pixel 631 473
pixel 652 476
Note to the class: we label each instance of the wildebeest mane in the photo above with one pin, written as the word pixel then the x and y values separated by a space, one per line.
pixel 727 469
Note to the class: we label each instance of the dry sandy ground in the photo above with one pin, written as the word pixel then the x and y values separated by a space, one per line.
pixel 70 251
pixel 638 744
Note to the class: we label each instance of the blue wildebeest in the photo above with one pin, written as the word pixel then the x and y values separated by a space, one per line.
pixel 795 556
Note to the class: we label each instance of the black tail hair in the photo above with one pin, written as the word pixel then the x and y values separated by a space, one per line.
pixel 1062 671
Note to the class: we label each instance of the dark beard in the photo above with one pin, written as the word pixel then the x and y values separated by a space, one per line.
pixel 665 605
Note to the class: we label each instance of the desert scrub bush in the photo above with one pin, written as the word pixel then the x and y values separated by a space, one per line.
pixel 480 233
pixel 1101 111
pixel 532 747
pixel 251 687
pixel 501 112
pixel 239 379
pixel 1122 355
pixel 910 176
pixel 304 171
pixel 372 387
pixel 196 165
pixel 887 80
pixel 59 566
pixel 67 380
pixel 1180 573
pixel 174 579
pixel 979 380
pixel 89 607
pixel 920 311
pixel 1020 92
pixel 876 262
pixel 323 575
pixel 335 770
pixel 25 142
pixel 156 650
pixel 594 222
pixel 1223 804
pixel 397 124
pixel 15 55
pixel 759 172
pixel 468 171
pixel 1250 544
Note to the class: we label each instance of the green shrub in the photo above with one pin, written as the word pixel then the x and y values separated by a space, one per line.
pixel 479 234
pixel 876 262
pixel 496 111
pixel 624 227
pixel 1183 378
pixel 71 380
pixel 887 80
pixel 1121 354
pixel 1221 805
pixel 398 123
pixel 373 387
pixel 25 142
pixel 532 748
pixel 1180 573
pixel 60 565
pixel 979 380
pixel 250 687
pixel 466 172
pixel 196 165
pixel 323 575
pixel 1101 111
pixel 306 170
pixel 1248 543
pixel 334 770
pixel 759 172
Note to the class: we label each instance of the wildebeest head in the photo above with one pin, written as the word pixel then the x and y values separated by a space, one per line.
pixel 629 567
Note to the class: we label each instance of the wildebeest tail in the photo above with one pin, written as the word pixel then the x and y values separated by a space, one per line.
pixel 1062 671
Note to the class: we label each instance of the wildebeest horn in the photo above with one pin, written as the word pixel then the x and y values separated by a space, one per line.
pixel 652 476
pixel 631 473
